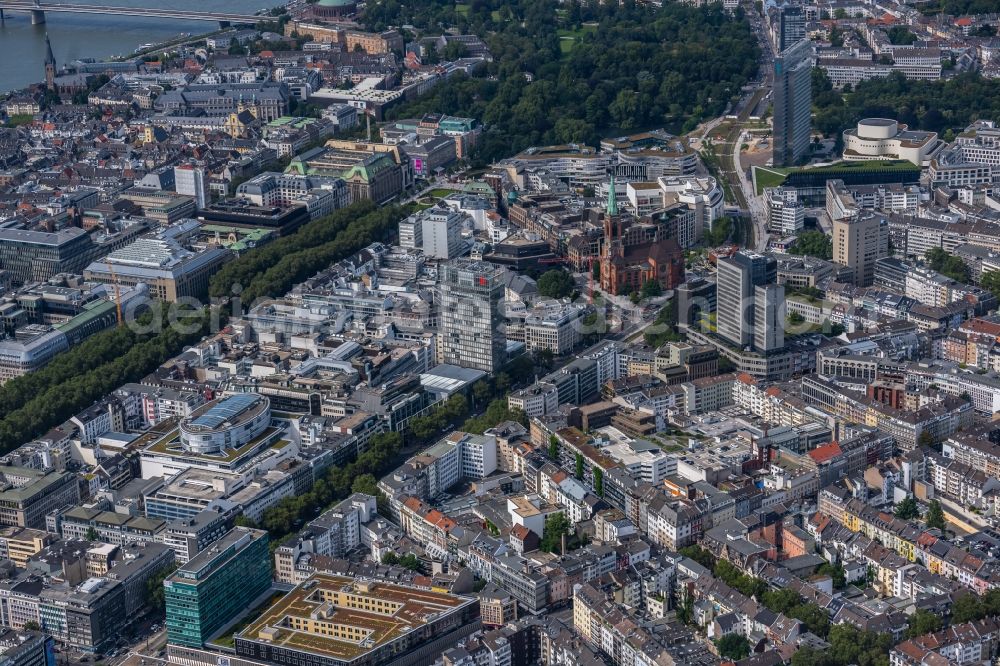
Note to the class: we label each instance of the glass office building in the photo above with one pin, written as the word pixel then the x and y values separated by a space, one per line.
pixel 216 586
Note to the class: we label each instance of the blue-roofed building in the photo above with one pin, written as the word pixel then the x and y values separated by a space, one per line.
pixel 229 423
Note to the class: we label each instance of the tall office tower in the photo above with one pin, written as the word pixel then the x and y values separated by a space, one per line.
pixel 859 242
pixel 769 318
pixel 791 26
pixel 192 181
pixel 735 282
pixel 442 233
pixel 470 321
pixel 792 103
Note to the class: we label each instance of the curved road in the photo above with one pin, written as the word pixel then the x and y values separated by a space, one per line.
pixel 755 205
pixel 731 167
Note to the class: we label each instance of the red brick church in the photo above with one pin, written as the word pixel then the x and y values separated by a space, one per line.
pixel 633 253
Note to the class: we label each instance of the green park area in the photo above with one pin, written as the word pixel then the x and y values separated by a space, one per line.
pixel 569 38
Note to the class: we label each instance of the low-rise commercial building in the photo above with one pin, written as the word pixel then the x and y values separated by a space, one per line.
pixel 341 621
pixel 169 270
pixel 28 495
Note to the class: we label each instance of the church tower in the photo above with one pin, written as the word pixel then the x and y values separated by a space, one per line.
pixel 612 246
pixel 50 65
pixel 611 217
pixel 612 198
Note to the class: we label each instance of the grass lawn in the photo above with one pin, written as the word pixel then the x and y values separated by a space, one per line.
pixel 462 9
pixel 22 119
pixel 768 178
pixel 440 193
pixel 578 33
pixel 568 38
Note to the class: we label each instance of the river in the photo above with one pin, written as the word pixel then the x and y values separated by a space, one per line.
pixel 74 36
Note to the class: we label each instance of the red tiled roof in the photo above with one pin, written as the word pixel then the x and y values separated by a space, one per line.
pixel 925 539
pixel 826 452
pixel 981 326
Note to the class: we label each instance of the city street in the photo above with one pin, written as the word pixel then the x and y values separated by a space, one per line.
pixel 729 152
pixel 755 204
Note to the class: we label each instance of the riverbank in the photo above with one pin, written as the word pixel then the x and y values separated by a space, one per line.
pixel 101 37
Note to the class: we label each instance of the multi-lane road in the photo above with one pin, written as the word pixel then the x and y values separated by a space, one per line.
pixel 729 152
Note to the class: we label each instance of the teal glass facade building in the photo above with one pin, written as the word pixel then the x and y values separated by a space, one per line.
pixel 216 585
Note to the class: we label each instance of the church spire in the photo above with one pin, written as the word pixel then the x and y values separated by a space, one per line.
pixel 49 58
pixel 612 197
pixel 50 64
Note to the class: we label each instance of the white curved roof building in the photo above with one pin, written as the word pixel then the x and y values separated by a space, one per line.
pixel 226 424
pixel 886 139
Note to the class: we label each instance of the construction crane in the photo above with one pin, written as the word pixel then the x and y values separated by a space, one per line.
pixel 118 294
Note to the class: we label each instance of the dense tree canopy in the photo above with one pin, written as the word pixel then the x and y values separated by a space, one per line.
pixel 922 622
pixel 958 7
pixel 901 35
pixel 835 572
pixel 155 595
pixel 947 264
pixel 969 607
pixel 991 281
pixel 556 283
pixel 651 289
pixel 935 515
pixel 273 269
pixel 733 646
pixel 699 555
pixel 593 69
pixel 290 513
pixel 814 244
pixel 88 372
pixel 408 561
pixel 721 232
pixel 934 105
pixel 91 353
pixel 907 509
pixel 849 646
pixel 556 526
pixel 750 586
pixel 31 405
